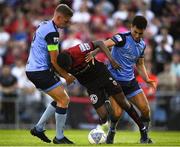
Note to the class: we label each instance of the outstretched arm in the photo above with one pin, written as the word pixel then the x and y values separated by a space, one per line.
pixel 102 47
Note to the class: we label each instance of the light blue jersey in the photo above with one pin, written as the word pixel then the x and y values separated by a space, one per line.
pixel 46 38
pixel 126 52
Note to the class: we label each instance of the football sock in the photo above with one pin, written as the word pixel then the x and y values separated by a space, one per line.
pixel 134 115
pixel 60 115
pixel 113 125
pixel 50 110
pixel 146 121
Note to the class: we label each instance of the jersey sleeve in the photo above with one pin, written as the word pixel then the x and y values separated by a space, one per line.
pixel 142 54
pixel 52 40
pixel 119 39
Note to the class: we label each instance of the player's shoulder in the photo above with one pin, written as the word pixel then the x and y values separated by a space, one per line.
pixel 123 34
pixel 120 38
pixel 46 27
pixel 142 42
pixel 86 46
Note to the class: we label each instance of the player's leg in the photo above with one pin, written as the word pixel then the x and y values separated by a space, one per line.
pixel 60 96
pixel 107 109
pixel 50 83
pixel 141 102
pixel 50 111
pixel 131 89
pixel 115 91
pixel 117 112
pixel 98 99
pixel 39 128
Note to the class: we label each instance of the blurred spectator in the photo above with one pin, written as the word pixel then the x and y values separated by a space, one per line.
pixel 8 86
pixel 18 70
pixel 77 4
pixel 167 79
pixel 71 40
pixel 144 10
pixel 164 35
pixel 157 6
pixel 4 38
pixel 167 89
pixel 107 7
pixel 177 46
pixel 81 16
pixel 175 66
pixel 122 12
pixel 8 83
pixel 162 55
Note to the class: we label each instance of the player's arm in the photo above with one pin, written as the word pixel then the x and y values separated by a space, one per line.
pixel 143 72
pixel 117 39
pixel 107 43
pixel 103 48
pixel 52 45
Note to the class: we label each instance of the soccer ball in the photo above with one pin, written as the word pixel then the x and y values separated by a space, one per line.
pixel 97 136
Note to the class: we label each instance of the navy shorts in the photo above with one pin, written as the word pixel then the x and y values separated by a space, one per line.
pixel 130 88
pixel 45 80
pixel 102 87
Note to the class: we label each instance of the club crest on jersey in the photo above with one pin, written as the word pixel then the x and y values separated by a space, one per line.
pixel 118 37
pixel 93 98
pixel 56 39
pixel 114 82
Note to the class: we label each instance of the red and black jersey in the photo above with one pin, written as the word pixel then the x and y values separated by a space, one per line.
pixel 83 71
pixel 78 54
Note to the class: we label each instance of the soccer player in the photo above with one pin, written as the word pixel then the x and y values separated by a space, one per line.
pixel 98 81
pixel 128 50
pixel 41 67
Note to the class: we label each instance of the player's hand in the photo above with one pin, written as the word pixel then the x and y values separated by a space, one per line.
pixel 115 65
pixel 90 57
pixel 152 83
pixel 69 79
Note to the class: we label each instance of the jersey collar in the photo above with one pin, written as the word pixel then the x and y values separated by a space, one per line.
pixel 55 26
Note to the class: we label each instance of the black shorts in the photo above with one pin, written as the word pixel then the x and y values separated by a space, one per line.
pixel 130 88
pixel 45 80
pixel 102 87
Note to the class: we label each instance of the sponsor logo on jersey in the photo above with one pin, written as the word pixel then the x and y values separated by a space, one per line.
pixel 93 98
pixel 118 37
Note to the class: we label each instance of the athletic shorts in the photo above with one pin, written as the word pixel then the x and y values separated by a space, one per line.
pixel 130 88
pixel 101 88
pixel 45 80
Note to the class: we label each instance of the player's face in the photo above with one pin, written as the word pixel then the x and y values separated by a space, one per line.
pixel 137 34
pixel 63 21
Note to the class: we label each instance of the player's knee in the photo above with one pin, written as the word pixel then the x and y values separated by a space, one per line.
pixel 63 101
pixel 118 113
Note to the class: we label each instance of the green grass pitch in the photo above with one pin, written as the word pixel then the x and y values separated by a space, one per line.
pixel 123 138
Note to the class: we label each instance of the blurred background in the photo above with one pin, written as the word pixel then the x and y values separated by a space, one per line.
pixel 21 104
